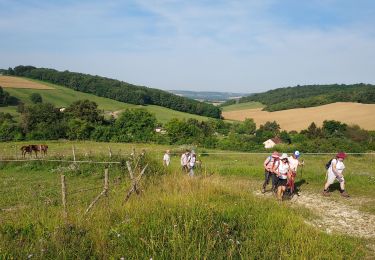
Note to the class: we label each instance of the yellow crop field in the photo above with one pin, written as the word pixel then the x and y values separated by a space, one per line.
pixel 16 82
pixel 300 118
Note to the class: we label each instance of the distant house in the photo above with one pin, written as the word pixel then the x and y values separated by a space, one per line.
pixel 270 143
pixel 62 109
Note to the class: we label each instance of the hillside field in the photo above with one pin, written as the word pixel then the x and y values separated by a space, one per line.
pixel 16 82
pixel 300 118
pixel 217 214
pixel 63 97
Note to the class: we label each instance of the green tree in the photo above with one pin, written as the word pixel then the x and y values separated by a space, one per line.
pixel 79 129
pixel 135 125
pixel 85 110
pixel 36 98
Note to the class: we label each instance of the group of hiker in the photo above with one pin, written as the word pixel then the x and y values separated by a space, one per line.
pixel 282 170
pixel 188 161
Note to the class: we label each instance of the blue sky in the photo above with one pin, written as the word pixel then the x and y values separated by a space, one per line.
pixel 243 46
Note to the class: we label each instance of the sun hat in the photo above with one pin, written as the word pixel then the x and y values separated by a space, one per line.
pixel 296 154
pixel 341 155
pixel 284 156
pixel 275 154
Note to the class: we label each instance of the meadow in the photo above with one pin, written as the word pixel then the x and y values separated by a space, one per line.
pixel 62 97
pixel 216 214
pixel 300 118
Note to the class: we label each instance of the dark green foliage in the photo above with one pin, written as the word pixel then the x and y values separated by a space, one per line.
pixel 272 127
pixel 6 99
pixel 190 132
pixel 85 110
pixel 312 95
pixel 36 98
pixel 118 90
pixel 137 125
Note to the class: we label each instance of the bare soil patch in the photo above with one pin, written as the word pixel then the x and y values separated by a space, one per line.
pixel 335 216
pixel 15 82
pixel 300 118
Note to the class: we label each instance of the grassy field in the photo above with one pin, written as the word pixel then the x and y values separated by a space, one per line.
pixel 242 106
pixel 217 214
pixel 63 97
pixel 300 118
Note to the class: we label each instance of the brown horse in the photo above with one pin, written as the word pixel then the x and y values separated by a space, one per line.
pixel 42 148
pixel 26 149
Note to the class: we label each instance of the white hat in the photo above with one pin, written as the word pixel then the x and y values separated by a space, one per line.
pixel 296 154
pixel 284 156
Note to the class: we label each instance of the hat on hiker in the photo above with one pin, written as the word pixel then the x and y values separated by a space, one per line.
pixel 275 155
pixel 341 155
pixel 296 154
pixel 284 156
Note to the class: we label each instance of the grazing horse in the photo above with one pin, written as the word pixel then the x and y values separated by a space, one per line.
pixel 42 148
pixel 26 149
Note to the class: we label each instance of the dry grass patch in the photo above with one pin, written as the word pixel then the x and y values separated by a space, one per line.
pixel 300 118
pixel 15 82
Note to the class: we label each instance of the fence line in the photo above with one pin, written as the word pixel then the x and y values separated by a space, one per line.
pixel 44 160
pixel 202 153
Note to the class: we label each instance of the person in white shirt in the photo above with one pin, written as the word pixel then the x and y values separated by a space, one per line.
pixel 283 172
pixel 166 158
pixel 293 164
pixel 184 161
pixel 192 160
pixel 334 172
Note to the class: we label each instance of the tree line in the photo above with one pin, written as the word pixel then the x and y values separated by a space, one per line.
pixel 115 89
pixel 82 120
pixel 311 95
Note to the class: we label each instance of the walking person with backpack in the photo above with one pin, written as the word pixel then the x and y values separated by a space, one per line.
pixel 270 166
pixel 284 173
pixel 293 163
pixel 335 168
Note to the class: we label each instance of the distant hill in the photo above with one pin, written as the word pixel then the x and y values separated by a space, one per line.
pixel 311 96
pixel 211 96
pixel 115 89
pixel 59 96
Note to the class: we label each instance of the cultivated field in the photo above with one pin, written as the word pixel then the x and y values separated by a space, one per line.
pixel 16 82
pixel 63 97
pixel 218 214
pixel 300 118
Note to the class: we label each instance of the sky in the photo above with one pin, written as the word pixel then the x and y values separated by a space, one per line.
pixel 199 45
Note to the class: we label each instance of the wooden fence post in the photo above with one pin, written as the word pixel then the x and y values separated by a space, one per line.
pixel 74 153
pixel 63 196
pixel 110 152
pixel 106 184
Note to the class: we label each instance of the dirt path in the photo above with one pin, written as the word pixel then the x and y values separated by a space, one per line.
pixel 335 216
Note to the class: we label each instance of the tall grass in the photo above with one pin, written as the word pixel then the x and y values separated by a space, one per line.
pixel 175 217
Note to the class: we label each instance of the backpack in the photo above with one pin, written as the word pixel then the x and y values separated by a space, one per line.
pixel 328 164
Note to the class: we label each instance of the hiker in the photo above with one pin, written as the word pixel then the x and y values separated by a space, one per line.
pixel 293 164
pixel 184 161
pixel 192 160
pixel 270 166
pixel 334 172
pixel 166 159
pixel 283 172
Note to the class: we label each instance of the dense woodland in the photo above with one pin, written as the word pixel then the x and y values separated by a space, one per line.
pixel 115 89
pixel 83 121
pixel 311 95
